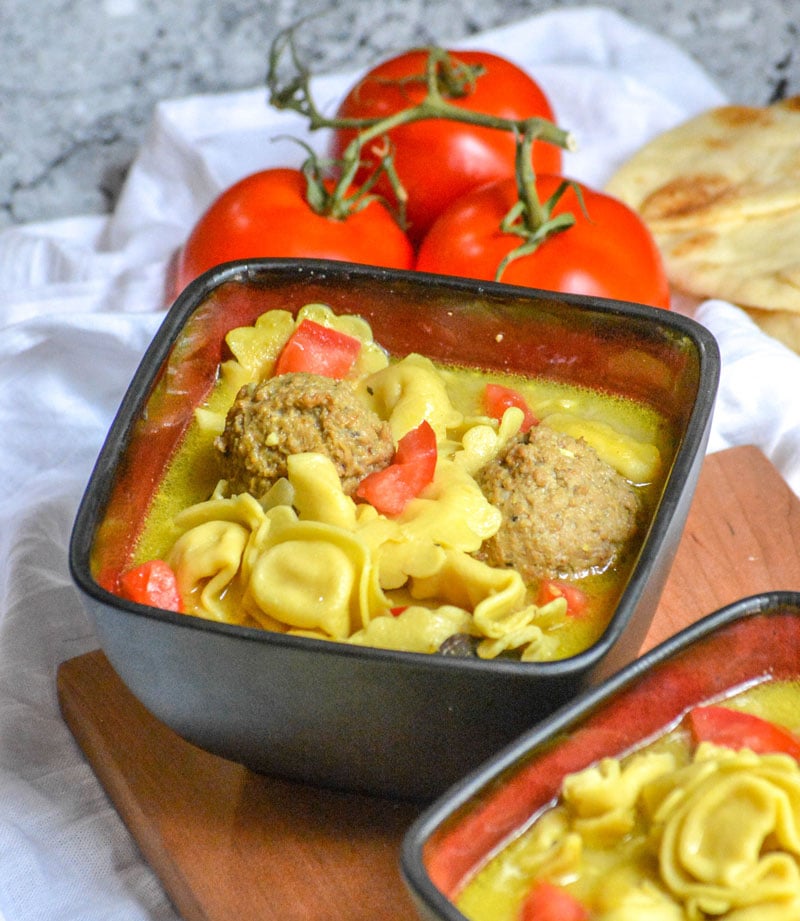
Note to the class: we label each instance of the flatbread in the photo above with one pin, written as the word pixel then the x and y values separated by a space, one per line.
pixel 780 324
pixel 721 195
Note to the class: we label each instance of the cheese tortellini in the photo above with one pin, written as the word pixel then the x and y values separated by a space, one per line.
pixel 711 835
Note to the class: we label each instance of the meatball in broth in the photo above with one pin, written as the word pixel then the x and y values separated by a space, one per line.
pixel 566 512
pixel 295 413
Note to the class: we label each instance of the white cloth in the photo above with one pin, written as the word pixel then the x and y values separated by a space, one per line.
pixel 759 397
pixel 80 299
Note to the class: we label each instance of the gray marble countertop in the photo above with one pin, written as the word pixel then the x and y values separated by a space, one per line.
pixel 81 77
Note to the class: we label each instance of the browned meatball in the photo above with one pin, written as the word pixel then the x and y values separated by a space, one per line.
pixel 566 512
pixel 294 413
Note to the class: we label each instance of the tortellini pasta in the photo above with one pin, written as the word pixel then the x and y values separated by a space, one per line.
pixel 208 557
pixel 727 833
pixel 714 834
pixel 309 559
pixel 481 441
pixel 408 392
pixel 416 629
pixel 315 576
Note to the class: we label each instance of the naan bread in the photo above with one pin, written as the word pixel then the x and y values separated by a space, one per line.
pixel 721 195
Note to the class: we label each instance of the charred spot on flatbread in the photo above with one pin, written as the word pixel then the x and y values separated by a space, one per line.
pixel 692 244
pixel 684 195
pixel 736 117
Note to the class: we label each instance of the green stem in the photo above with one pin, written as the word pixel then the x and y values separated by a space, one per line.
pixel 440 70
pixel 529 218
pixel 435 106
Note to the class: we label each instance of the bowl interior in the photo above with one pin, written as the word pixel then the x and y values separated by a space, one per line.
pixel 660 359
pixel 752 641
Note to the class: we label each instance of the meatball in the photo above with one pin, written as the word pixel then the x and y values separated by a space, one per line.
pixel 294 413
pixel 566 512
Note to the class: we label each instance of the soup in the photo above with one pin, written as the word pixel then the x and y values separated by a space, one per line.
pixel 269 522
pixel 703 822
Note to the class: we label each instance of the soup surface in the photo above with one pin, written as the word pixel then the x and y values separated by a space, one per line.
pixel 350 496
pixel 702 823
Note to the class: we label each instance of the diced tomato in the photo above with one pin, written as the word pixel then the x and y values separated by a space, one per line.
pixel 318 349
pixel 398 610
pixel 548 902
pixel 550 589
pixel 391 489
pixel 153 583
pixel 497 399
pixel 736 729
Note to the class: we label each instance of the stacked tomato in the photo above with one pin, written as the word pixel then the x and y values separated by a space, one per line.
pixel 456 180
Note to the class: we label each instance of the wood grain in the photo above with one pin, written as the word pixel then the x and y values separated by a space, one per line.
pixel 228 844
pixel 742 537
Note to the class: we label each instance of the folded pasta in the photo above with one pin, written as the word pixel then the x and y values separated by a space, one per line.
pixel 372 500
pixel 681 830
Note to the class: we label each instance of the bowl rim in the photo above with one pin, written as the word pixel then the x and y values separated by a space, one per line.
pixel 411 858
pixel 243 271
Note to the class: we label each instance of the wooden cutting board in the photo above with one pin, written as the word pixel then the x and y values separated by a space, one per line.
pixel 230 844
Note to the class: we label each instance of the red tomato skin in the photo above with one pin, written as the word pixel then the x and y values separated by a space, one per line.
pixel 736 729
pixel 266 215
pixel 610 253
pixel 418 448
pixel 439 160
pixel 412 469
pixel 550 589
pixel 498 398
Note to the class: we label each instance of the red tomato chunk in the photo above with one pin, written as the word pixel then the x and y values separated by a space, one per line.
pixel 152 583
pixel 317 349
pixel 391 489
pixel 736 729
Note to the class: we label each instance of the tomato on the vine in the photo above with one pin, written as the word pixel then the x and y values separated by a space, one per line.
pixel 438 160
pixel 608 252
pixel 267 214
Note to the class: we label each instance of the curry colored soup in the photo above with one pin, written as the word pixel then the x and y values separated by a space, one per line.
pixel 307 558
pixel 702 823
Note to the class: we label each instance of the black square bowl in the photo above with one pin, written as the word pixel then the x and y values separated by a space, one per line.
pixel 752 641
pixel 390 723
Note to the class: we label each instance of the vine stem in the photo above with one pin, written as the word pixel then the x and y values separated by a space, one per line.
pixel 529 218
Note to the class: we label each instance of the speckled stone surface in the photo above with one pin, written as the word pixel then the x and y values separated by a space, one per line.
pixel 80 78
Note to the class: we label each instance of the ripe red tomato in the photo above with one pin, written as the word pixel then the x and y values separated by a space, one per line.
pixel 439 160
pixel 266 214
pixel 609 253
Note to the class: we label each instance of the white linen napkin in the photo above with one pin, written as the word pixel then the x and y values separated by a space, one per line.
pixel 759 397
pixel 79 300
